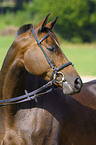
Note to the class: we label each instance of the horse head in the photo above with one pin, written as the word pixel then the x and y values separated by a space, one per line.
pixel 41 55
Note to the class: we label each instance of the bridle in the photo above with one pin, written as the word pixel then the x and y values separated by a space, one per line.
pixel 55 70
pixel 45 88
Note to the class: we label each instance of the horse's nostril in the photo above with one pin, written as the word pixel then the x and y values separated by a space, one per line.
pixel 78 83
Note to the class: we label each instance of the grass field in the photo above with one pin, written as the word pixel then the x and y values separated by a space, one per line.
pixel 5 43
pixel 83 56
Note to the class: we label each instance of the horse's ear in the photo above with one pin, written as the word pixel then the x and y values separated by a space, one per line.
pixel 42 24
pixel 51 24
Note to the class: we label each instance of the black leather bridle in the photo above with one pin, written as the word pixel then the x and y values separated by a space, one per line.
pixel 55 70
pixel 45 88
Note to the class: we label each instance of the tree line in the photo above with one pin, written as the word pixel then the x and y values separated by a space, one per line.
pixel 77 18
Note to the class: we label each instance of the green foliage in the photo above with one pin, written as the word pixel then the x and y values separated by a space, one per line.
pixel 17 19
pixel 77 18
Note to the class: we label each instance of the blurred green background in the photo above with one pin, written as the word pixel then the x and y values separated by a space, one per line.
pixel 75 28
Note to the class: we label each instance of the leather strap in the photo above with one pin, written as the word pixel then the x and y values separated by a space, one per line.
pixel 29 96
pixel 39 44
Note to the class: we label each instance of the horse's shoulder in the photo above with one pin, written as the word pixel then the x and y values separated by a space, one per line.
pixel 23 29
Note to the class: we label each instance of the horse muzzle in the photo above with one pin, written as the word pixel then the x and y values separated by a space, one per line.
pixel 70 89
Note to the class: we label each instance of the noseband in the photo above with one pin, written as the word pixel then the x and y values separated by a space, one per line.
pixel 42 90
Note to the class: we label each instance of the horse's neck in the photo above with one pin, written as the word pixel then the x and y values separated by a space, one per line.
pixel 0 84
pixel 11 74
pixel 12 81
pixel 15 80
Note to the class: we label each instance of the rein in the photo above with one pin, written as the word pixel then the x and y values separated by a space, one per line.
pixel 29 96
pixel 45 88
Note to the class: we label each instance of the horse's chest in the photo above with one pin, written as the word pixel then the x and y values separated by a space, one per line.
pixel 38 126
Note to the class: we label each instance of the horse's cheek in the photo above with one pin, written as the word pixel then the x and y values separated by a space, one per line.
pixel 33 63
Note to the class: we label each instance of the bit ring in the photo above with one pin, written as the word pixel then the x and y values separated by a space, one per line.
pixel 59 75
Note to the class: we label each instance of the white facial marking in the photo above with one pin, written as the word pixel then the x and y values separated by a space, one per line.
pixel 66 88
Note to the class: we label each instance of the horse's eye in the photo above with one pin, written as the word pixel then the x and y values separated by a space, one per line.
pixel 51 48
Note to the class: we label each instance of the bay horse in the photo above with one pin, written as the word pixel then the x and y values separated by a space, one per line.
pixel 87 95
pixel 35 51
pixel 79 126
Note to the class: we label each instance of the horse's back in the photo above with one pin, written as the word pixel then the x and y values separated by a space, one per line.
pixel 87 96
pixel 91 82
pixel 79 125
